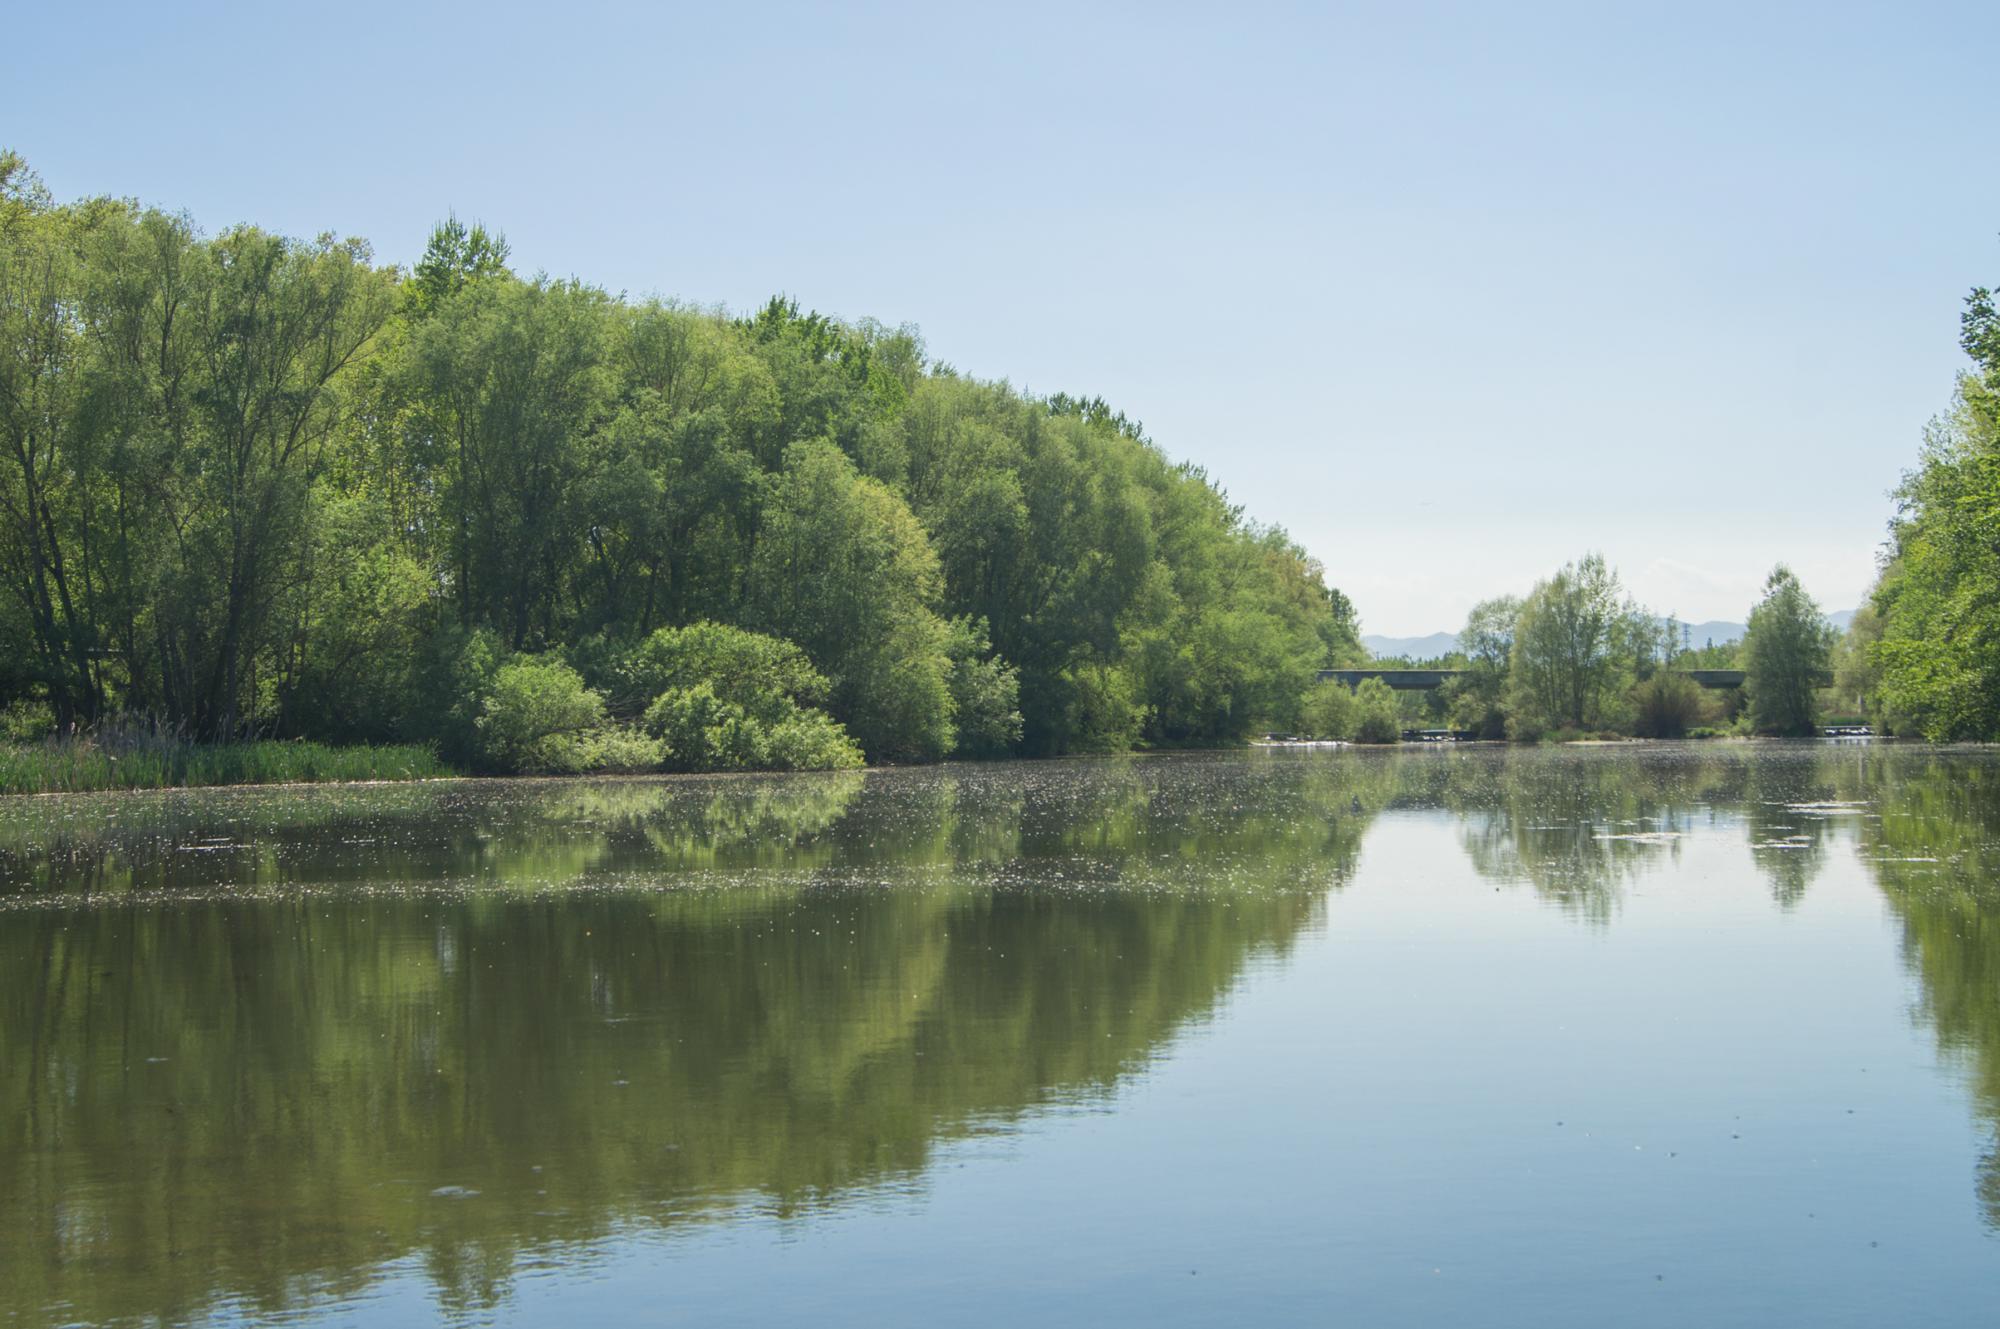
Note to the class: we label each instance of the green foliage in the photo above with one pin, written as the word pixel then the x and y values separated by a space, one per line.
pixel 254 485
pixel 1784 653
pixel 539 717
pixel 765 677
pixel 1328 711
pixel 143 761
pixel 25 721
pixel 1101 707
pixel 456 256
pixel 1667 705
pixel 724 699
pixel 1857 674
pixel 1939 599
pixel 843 568
pixel 700 731
pixel 449 681
pixel 1378 716
pixel 1574 648
pixel 1476 701
pixel 985 693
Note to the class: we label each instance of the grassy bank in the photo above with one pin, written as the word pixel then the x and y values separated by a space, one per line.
pixel 48 768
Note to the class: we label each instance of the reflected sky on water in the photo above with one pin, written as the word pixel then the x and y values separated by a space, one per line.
pixel 1654 1034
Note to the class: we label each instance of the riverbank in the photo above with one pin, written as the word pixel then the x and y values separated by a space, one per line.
pixel 86 766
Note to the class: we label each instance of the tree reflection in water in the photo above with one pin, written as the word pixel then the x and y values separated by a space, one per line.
pixel 258 1045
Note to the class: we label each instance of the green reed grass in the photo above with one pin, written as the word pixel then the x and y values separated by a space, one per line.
pixel 86 764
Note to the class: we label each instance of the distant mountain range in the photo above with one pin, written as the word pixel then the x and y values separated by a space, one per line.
pixel 1444 643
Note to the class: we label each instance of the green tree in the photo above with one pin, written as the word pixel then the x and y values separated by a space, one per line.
pixel 1328 711
pixel 248 483
pixel 1477 699
pixel 508 383
pixel 1378 716
pixel 843 569
pixel 1857 674
pixel 1785 654
pixel 1570 657
pixel 539 717
pixel 456 256
pixel 985 693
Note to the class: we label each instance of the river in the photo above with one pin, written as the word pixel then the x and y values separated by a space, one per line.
pixel 1642 1034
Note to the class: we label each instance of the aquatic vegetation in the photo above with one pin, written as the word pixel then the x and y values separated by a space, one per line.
pixel 84 765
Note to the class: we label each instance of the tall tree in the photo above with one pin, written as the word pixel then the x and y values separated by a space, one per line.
pixel 843 569
pixel 510 382
pixel 44 382
pixel 1570 658
pixel 253 483
pixel 1785 654
pixel 1478 701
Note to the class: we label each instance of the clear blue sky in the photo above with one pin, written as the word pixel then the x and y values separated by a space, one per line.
pixel 1455 293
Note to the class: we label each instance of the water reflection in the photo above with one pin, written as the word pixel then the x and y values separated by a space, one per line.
pixel 259 1045
pixel 1934 847
pixel 245 1066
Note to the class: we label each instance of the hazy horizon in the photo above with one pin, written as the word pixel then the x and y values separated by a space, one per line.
pixel 1454 297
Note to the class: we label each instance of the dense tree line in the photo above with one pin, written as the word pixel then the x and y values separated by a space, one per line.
pixel 1926 649
pixel 1576 656
pixel 260 485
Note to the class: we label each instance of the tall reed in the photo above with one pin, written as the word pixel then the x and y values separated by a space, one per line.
pixel 130 761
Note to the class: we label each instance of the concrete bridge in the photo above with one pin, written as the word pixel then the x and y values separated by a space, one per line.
pixel 1423 680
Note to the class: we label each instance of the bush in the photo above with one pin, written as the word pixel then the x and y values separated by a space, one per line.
pixel 25 721
pixel 116 759
pixel 614 748
pixel 766 677
pixel 723 699
pixel 449 684
pixel 811 741
pixel 1667 706
pixel 536 718
pixel 1102 711
pixel 985 693
pixel 1378 718
pixel 699 731
pixel 1328 711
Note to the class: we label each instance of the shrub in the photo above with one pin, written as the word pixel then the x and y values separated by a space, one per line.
pixel 536 717
pixel 613 748
pixel 1329 710
pixel 125 759
pixel 1667 706
pixel 766 677
pixel 24 721
pixel 985 693
pixel 723 699
pixel 699 731
pixel 1378 718
pixel 811 741
pixel 449 684
pixel 1103 712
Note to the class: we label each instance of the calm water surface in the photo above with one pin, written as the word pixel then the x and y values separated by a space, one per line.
pixel 1662 1035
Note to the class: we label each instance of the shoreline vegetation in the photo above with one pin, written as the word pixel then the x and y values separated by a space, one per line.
pixel 1578 660
pixel 310 514
pixel 254 487
pixel 80 766
pixel 91 766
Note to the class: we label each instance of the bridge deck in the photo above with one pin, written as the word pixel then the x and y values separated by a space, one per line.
pixel 1423 680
